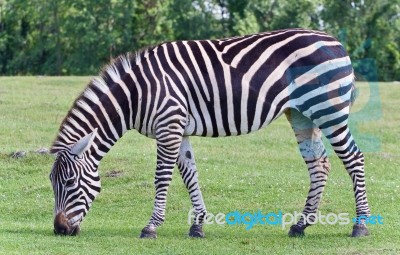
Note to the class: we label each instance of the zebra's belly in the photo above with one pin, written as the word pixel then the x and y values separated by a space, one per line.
pixel 208 128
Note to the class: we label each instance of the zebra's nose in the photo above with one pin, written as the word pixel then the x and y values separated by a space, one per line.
pixel 61 226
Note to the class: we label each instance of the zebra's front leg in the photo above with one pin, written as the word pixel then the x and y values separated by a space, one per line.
pixel 314 154
pixel 167 154
pixel 187 168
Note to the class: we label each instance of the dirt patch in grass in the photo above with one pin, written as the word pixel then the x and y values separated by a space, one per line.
pixel 114 173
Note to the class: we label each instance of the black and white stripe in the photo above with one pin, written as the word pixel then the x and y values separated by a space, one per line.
pixel 212 88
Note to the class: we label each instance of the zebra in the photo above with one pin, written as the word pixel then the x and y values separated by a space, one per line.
pixel 210 88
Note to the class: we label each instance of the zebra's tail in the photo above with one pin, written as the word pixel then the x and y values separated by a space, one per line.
pixel 354 92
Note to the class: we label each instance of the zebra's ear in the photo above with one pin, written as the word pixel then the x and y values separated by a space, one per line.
pixel 83 144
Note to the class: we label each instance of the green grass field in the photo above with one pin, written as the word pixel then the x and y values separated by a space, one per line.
pixel 262 171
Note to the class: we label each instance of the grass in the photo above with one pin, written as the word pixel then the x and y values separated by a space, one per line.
pixel 261 171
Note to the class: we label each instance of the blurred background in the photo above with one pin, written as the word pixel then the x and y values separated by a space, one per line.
pixel 77 37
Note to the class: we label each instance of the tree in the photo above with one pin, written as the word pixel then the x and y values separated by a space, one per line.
pixel 26 39
pixel 370 32
pixel 199 19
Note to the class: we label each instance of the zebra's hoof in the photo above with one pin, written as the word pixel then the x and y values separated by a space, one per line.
pixel 359 230
pixel 296 231
pixel 148 233
pixel 196 231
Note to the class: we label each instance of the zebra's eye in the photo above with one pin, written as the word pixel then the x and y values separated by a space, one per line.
pixel 70 182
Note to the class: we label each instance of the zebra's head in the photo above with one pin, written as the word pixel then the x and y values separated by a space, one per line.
pixel 76 183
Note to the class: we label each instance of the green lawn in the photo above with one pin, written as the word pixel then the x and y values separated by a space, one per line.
pixel 262 171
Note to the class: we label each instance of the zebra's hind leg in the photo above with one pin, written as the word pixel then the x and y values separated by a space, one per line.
pixel 187 168
pixel 168 144
pixel 347 150
pixel 314 154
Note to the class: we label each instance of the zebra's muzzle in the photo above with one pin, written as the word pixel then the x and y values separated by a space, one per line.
pixel 63 227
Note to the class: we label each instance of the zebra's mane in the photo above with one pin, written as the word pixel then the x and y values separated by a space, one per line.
pixel 67 134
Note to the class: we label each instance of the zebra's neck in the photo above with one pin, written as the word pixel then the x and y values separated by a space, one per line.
pixel 109 103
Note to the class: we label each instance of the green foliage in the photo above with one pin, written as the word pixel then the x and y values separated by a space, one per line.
pixel 194 20
pixel 60 37
pixel 286 14
pixel 370 31
pixel 260 171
